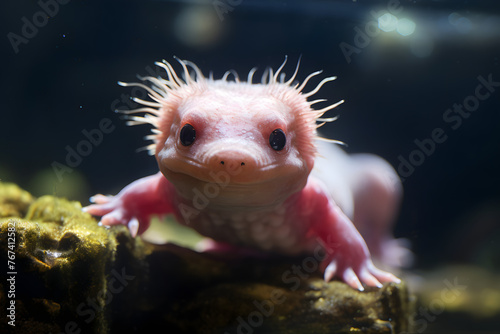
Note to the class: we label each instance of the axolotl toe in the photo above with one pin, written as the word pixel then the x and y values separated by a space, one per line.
pixel 236 164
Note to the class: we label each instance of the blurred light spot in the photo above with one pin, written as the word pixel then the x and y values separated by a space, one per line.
pixel 464 25
pixel 197 26
pixel 387 22
pixel 421 46
pixel 406 27
pixel 453 18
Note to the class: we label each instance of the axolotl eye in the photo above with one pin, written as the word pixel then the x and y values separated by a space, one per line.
pixel 277 140
pixel 188 135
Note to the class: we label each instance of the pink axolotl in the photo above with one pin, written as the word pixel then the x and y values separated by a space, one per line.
pixel 235 162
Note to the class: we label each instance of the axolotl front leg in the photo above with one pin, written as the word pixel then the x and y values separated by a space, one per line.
pixel 134 204
pixel 368 191
pixel 347 255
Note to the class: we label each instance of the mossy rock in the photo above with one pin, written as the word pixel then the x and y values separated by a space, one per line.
pixel 62 262
pixel 74 276
pixel 14 202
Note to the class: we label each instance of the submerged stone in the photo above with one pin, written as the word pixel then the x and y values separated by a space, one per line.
pixel 73 276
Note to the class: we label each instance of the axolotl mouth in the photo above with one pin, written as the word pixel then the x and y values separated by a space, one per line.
pixel 229 172
pixel 241 164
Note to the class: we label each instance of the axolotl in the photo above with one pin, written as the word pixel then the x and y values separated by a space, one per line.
pixel 236 164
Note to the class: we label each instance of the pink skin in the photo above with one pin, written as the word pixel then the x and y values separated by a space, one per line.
pixel 230 185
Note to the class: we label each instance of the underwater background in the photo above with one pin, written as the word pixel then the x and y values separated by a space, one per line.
pixel 421 81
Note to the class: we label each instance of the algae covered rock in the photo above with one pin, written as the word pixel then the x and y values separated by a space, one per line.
pixel 14 202
pixel 60 262
pixel 70 275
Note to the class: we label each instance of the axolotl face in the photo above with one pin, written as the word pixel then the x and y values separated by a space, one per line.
pixel 243 144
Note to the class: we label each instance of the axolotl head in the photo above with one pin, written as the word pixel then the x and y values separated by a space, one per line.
pixel 243 144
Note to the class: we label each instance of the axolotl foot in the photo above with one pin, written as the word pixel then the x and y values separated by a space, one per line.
pixel 355 275
pixel 133 205
pixel 114 212
pixel 347 255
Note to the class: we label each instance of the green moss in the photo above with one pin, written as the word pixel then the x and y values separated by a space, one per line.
pixel 61 256
pixel 13 200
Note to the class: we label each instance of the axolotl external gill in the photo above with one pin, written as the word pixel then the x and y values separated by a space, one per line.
pixel 250 149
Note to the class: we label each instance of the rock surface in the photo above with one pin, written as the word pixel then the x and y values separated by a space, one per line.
pixel 73 276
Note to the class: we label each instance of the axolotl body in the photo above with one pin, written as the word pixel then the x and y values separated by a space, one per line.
pixel 235 162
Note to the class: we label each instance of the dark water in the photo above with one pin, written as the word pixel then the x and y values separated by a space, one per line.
pixel 403 96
